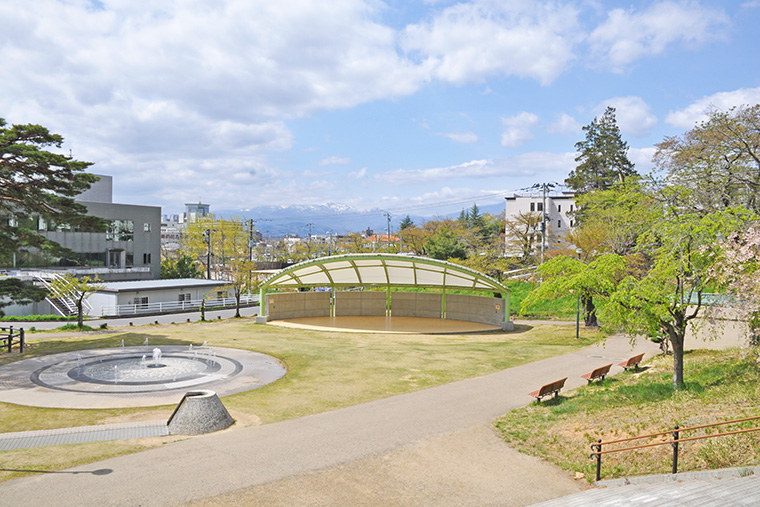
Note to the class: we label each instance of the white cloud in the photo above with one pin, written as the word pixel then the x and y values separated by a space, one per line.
pixel 633 115
pixel 460 137
pixel 565 125
pixel 628 35
pixel 334 160
pixel 525 164
pixel 518 129
pixel 642 159
pixel 359 175
pixel 469 41
pixel 688 117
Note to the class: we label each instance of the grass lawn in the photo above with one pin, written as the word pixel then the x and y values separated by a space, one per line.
pixel 326 371
pixel 721 385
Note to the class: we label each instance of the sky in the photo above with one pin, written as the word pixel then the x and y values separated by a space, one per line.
pixel 414 107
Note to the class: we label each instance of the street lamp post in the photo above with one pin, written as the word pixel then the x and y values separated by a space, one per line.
pixel 578 304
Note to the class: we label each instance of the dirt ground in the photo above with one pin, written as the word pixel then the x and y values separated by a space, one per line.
pixel 473 467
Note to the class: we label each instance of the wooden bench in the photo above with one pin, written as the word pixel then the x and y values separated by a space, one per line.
pixel 597 374
pixel 632 362
pixel 549 389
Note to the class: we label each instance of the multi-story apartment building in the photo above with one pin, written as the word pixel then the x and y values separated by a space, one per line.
pixel 546 215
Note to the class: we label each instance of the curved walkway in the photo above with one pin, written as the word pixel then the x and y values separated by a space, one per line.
pixel 363 437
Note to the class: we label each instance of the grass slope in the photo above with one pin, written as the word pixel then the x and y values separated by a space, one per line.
pixel 721 385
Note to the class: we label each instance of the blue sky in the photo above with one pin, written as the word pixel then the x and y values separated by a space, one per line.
pixel 420 106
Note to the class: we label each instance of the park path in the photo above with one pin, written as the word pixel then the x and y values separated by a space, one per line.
pixel 238 461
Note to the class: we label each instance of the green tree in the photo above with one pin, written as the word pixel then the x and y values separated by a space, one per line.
pixel 184 267
pixel 602 157
pixel 16 291
pixel 662 299
pixel 565 275
pixel 445 244
pixel 523 233
pixel 718 160
pixel 405 223
pixel 37 184
pixel 77 289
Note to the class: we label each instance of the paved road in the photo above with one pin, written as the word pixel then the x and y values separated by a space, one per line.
pixel 239 461
pixel 143 321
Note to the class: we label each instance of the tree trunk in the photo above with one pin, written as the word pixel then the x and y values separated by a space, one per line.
pixel 676 337
pixel 80 317
pixel 589 311
pixel 237 305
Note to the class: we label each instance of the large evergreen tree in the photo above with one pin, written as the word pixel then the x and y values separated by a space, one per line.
pixel 36 183
pixel 602 157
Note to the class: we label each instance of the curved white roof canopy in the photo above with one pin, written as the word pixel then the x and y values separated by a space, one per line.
pixel 382 270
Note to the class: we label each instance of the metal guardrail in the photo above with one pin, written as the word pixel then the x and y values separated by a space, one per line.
pixel 175 306
pixel 673 442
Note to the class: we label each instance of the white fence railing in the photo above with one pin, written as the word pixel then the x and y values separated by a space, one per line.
pixel 176 306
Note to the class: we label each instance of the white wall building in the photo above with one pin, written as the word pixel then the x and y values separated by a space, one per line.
pixel 556 207
pixel 154 296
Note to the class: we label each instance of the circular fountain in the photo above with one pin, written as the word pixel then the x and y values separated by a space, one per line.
pixel 133 376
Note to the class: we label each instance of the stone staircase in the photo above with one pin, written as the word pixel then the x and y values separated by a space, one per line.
pixel 729 487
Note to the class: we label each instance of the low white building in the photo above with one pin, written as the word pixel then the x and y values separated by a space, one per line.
pixel 157 296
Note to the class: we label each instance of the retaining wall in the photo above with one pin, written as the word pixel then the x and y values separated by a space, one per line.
pixel 360 304
pixel 416 304
pixel 475 309
pixel 294 305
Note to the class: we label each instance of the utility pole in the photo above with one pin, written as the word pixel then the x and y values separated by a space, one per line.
pixel 543 224
pixel 309 225
pixel 207 240
pixel 388 237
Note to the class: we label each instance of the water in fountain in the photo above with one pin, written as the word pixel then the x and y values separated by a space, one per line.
pixel 191 347
pixel 116 373
pixel 156 359
pixel 122 343
pixel 142 361
pixel 204 343
pixel 146 341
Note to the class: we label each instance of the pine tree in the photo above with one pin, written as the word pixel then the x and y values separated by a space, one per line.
pixel 602 157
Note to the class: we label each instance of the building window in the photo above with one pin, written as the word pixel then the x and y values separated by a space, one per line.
pixel 146 258
pixel 533 206
pixel 184 297
pixel 559 224
pixel 571 223
pixel 571 208
pixel 120 230
pixel 221 294
pixel 141 302
pixel 146 227
pixel 540 206
pixel 559 208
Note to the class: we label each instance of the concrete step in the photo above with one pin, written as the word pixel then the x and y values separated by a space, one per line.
pixel 734 487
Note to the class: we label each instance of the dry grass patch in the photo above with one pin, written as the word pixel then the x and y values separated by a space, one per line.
pixel 721 385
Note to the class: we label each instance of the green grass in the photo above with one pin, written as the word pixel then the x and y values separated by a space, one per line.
pixel 36 318
pixel 721 385
pixel 326 370
pixel 561 308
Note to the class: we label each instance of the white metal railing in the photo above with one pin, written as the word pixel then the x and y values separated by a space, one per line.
pixel 67 299
pixel 175 306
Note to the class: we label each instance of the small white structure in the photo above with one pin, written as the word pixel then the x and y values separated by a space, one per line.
pixel 156 296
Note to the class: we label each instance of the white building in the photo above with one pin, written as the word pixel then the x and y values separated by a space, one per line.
pixel 554 207
pixel 156 296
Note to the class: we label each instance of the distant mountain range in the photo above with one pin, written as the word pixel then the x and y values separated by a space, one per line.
pixel 277 221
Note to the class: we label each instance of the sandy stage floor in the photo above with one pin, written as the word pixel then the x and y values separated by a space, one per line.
pixel 386 325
